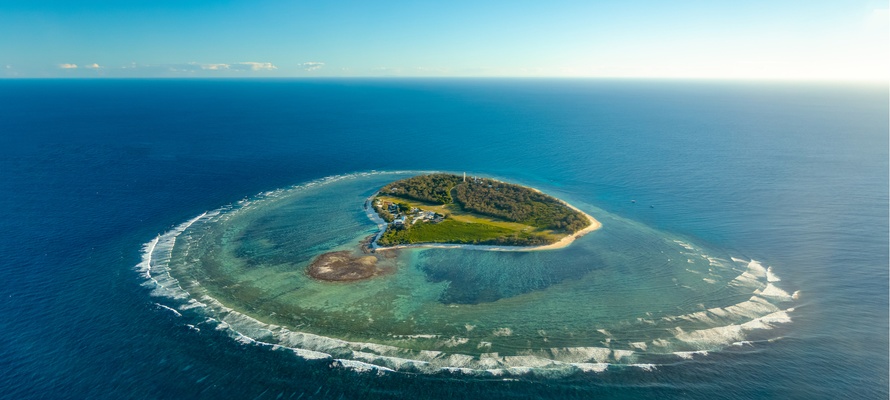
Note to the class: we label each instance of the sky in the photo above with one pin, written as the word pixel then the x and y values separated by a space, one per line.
pixel 707 39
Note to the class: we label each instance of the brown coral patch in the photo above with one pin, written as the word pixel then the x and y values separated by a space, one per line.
pixel 343 266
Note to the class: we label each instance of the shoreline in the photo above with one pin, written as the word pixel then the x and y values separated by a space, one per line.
pixel 561 243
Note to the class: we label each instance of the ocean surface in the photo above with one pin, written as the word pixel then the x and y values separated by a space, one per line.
pixel 155 233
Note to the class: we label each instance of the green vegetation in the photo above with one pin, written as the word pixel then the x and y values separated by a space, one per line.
pixel 478 211
pixel 518 204
pixel 433 188
pixel 386 215
pixel 492 198
pixel 460 232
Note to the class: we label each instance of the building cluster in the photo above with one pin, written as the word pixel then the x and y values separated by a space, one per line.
pixel 411 217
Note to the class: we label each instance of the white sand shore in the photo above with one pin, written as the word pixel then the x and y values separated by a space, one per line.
pixel 594 225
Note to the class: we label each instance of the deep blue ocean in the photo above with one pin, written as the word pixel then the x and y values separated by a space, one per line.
pixel 793 174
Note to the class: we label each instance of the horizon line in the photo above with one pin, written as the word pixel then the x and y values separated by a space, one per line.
pixel 482 77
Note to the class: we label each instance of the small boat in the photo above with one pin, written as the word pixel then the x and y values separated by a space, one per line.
pixel 633 201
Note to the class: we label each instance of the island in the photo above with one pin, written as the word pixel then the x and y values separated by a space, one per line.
pixel 453 211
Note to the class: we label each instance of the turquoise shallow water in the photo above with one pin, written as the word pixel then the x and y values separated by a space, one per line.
pixel 794 176
pixel 625 295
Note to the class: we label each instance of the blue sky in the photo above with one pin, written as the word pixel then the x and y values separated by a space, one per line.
pixel 812 40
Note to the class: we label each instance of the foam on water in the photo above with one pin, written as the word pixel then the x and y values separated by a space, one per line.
pixel 596 367
pixel 359 366
pixel 773 291
pixel 639 345
pixel 157 253
pixel 173 310
pixel 682 335
pixel 756 269
pixel 688 355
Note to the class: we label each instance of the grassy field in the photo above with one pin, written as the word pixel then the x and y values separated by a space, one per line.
pixel 498 200
pixel 444 232
pixel 464 227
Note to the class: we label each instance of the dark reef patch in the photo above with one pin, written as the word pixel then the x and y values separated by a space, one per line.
pixel 342 266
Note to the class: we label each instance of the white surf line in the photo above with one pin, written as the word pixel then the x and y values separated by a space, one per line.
pixel 171 309
pixel 392 358
pixel 169 238
pixel 144 266
pixel 381 357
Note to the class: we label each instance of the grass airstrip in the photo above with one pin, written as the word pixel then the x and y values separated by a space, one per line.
pixel 465 227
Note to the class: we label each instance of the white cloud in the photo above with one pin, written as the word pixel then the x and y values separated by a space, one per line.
pixel 241 66
pixel 254 66
pixel 192 68
pixel 213 67
pixel 312 65
pixel 67 66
